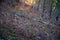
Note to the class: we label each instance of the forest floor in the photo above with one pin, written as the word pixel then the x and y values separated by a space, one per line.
pixel 28 25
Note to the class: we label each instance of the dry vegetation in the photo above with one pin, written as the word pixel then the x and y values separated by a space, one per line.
pixel 25 22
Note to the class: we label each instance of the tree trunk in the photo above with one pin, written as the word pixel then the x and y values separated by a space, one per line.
pixel 47 9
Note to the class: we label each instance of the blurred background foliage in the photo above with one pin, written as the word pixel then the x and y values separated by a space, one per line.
pixel 55 10
pixel 55 3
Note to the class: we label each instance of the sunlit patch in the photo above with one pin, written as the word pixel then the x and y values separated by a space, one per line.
pixel 24 8
pixel 30 2
pixel 27 4
pixel 21 8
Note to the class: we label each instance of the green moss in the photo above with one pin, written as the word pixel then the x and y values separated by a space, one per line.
pixel 54 4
